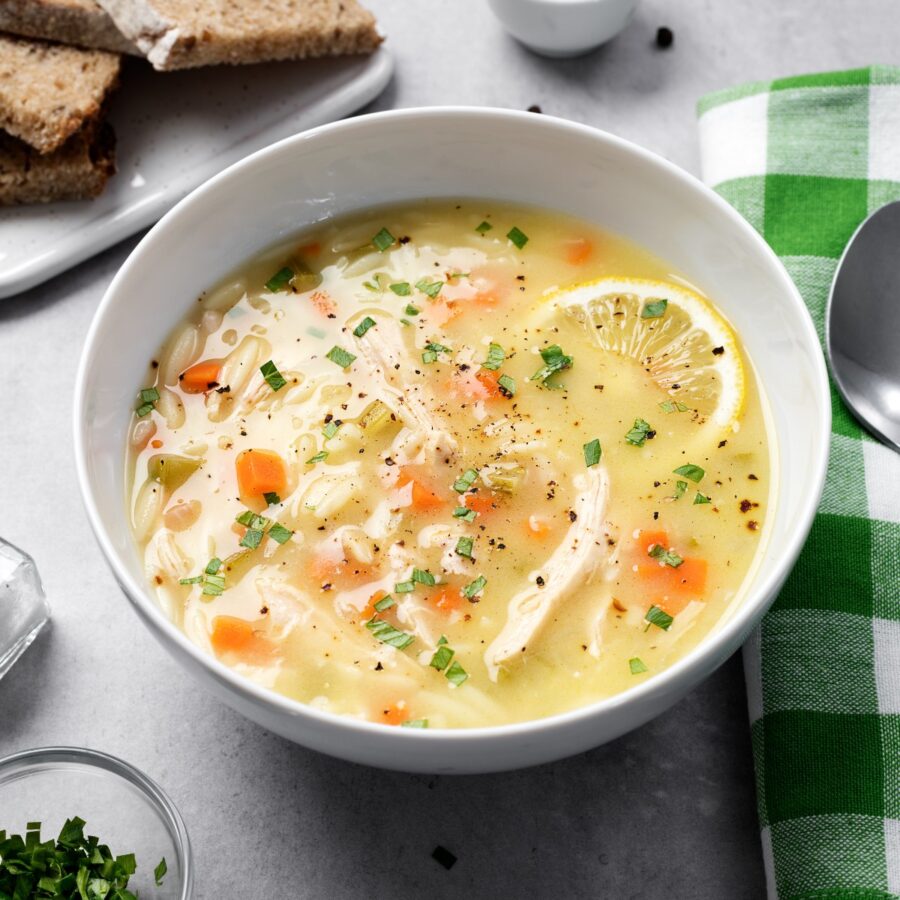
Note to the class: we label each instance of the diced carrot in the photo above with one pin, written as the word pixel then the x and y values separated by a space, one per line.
pixel 238 637
pixel 260 472
pixel 649 539
pixel 395 714
pixel 368 611
pixel 156 443
pixel 423 497
pixel 442 311
pixel 482 503
pixel 578 251
pixel 200 377
pixel 324 305
pixel 489 379
pixel 537 527
pixel 326 568
pixel 447 599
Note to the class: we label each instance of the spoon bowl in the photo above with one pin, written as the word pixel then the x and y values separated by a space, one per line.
pixel 862 331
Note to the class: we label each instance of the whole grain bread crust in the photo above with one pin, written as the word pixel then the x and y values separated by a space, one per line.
pixel 179 34
pixel 50 91
pixel 78 170
pixel 79 22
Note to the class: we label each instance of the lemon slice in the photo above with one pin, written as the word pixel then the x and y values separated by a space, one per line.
pixel 688 349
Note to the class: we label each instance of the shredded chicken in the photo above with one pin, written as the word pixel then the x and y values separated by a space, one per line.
pixel 574 559
pixel 382 350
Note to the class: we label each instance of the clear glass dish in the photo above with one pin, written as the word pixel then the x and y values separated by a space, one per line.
pixel 120 805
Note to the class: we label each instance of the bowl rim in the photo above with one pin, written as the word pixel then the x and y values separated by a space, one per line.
pixel 149 789
pixel 737 625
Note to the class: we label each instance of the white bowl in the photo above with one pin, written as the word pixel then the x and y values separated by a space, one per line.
pixel 563 27
pixel 452 152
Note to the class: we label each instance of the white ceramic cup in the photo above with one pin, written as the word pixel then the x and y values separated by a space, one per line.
pixel 563 27
pixel 450 152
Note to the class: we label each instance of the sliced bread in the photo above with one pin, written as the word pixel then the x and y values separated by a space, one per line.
pixel 180 34
pixel 49 91
pixel 79 22
pixel 78 170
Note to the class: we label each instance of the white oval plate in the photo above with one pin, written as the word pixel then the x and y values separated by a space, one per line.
pixel 175 130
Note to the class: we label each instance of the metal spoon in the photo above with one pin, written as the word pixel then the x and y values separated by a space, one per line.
pixel 862 329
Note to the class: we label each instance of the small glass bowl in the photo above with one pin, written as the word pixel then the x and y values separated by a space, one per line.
pixel 120 805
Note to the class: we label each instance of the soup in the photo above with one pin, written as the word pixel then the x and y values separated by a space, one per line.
pixel 450 465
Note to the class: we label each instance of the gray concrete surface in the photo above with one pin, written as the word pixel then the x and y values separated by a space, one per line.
pixel 666 812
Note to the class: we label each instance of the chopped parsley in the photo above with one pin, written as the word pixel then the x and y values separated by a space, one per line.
pixel 639 433
pixel 483 227
pixel 456 674
pixel 340 357
pixel 554 361
pixel 464 547
pixel 257 526
pixel 496 355
pixel 474 587
pixel 271 498
pixel 412 310
pixel 387 634
pixel 148 396
pixel 518 237
pixel 670 406
pixel 680 488
pixel 507 385
pixel 404 587
pixel 654 309
pixel 592 452
pixel 321 456
pixel 463 512
pixel 384 603
pixel 160 872
pixel 383 240
pixel 700 498
pixel 414 723
pixel 401 288
pixel 212 583
pixel 273 377
pixel 431 352
pixel 423 576
pixel 331 428
pixel 442 657
pixel 367 323
pixel 73 865
pixel 280 280
pixel 667 557
pixel 637 665
pixel 280 534
pixel 465 481
pixel 690 471
pixel 658 617
pixel 431 288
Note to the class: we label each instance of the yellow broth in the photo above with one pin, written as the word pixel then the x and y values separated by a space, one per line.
pixel 411 463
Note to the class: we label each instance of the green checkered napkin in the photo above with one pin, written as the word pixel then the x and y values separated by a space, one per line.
pixel 805 160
